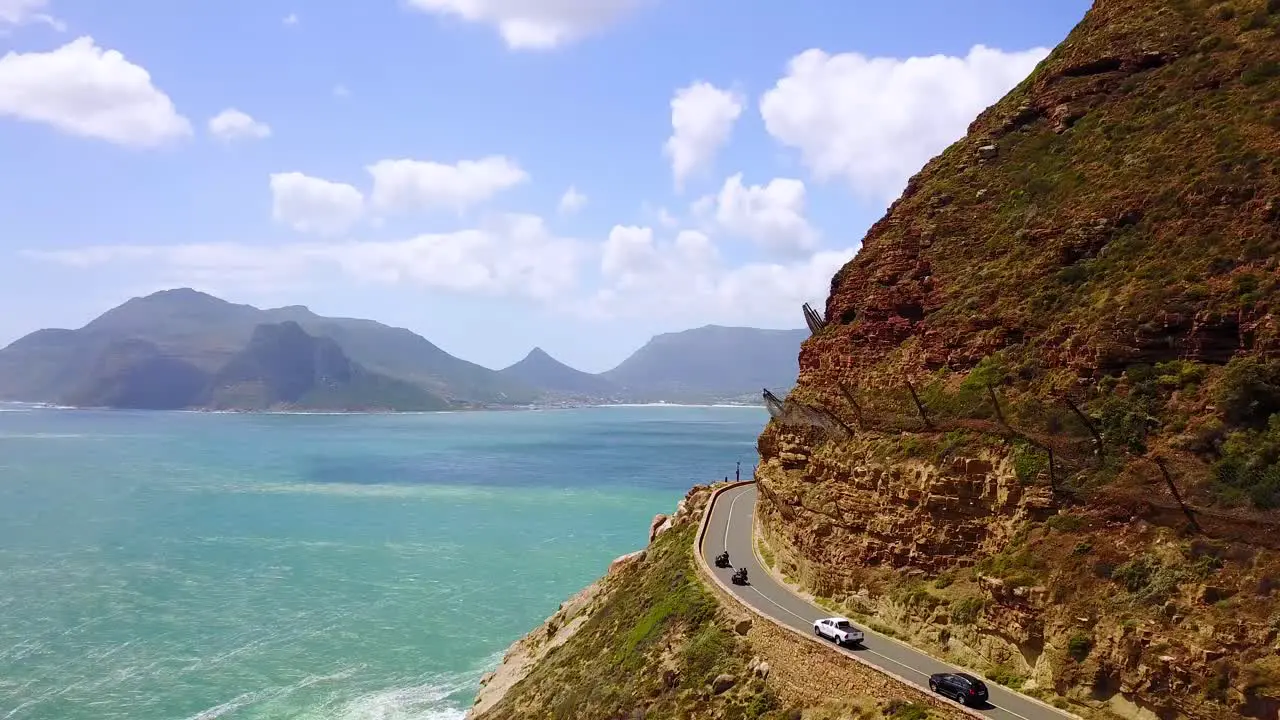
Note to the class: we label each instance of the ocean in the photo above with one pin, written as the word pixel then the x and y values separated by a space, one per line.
pixel 184 566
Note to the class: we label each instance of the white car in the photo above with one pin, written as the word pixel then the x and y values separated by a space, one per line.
pixel 838 630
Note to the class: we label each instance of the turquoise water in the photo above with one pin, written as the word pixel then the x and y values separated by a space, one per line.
pixel 170 566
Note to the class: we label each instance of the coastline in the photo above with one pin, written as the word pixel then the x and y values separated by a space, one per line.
pixel 17 406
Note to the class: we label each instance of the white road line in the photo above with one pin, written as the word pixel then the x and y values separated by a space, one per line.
pixel 728 523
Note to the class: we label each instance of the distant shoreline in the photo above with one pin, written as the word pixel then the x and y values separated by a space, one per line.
pixel 16 406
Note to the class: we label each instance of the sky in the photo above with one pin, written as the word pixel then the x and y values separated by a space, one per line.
pixel 494 175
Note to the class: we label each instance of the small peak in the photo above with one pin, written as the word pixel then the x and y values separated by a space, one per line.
pixel 180 294
pixel 538 352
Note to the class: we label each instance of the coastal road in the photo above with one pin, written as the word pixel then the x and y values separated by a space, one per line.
pixel 730 528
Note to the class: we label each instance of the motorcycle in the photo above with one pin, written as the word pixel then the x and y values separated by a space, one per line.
pixel 722 560
pixel 740 576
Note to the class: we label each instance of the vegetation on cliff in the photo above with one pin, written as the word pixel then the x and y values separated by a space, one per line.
pixel 1041 407
pixel 651 641
pixel 652 645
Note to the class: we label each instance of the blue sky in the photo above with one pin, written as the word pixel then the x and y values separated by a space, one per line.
pixel 116 184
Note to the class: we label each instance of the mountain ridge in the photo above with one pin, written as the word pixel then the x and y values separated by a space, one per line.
pixel 182 331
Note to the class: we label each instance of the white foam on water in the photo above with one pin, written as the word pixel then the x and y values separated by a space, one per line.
pixel 424 702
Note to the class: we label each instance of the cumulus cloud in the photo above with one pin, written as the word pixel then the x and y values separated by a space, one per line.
pixel 313 205
pixel 687 277
pixel 771 215
pixel 515 256
pixel 26 12
pixel 85 90
pixel 876 121
pixel 534 24
pixel 572 201
pixel 401 185
pixel 232 124
pixel 702 119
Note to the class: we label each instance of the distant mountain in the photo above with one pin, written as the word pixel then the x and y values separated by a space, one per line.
pixel 284 367
pixel 540 370
pixel 710 363
pixel 136 374
pixel 183 348
pixel 206 332
pixel 281 367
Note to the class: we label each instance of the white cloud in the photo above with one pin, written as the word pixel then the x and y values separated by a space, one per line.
pixel 771 215
pixel 291 19
pixel 25 12
pixel 400 185
pixel 534 24
pixel 876 121
pixel 516 256
pixel 85 90
pixel 572 201
pixel 686 278
pixel 232 124
pixel 702 119
pixel 313 205
pixel 341 91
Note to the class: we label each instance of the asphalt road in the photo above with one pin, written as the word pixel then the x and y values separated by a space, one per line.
pixel 730 528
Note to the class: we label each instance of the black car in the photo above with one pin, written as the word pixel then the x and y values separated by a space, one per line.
pixel 961 687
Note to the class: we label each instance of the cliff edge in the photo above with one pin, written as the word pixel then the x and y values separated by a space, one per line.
pixel 1036 427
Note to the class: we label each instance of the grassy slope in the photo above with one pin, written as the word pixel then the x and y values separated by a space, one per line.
pixel 657 618
pixel 649 651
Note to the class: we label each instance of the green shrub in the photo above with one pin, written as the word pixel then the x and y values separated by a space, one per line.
pixel 1066 523
pixel 703 653
pixel 762 704
pixel 1135 575
pixel 903 710
pixel 1256 21
pixel 1029 462
pixel 1079 647
pixel 1006 676
pixel 1248 391
pixel 966 610
pixel 1248 469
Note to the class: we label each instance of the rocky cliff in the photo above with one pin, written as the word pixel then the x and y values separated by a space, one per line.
pixel 1036 426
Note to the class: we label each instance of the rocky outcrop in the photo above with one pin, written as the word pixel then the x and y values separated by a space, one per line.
pixel 848 507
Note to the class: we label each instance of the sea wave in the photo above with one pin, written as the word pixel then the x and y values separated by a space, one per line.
pixel 428 698
pixel 423 702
